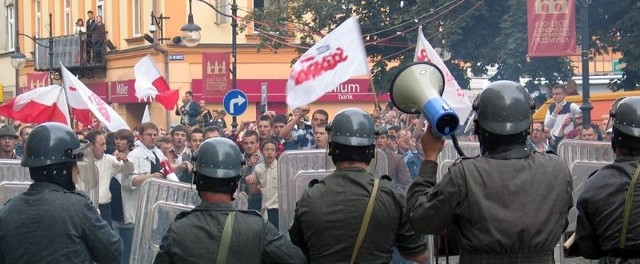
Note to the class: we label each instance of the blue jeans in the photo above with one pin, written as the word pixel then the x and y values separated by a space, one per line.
pixel 273 216
pixel 126 233
pixel 105 213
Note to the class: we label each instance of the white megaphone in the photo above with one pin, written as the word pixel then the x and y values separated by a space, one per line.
pixel 418 88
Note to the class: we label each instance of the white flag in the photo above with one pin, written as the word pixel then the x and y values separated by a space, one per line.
pixel 145 116
pixel 333 60
pixel 81 98
pixel 453 95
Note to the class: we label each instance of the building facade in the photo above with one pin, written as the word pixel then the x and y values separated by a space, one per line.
pixel 187 69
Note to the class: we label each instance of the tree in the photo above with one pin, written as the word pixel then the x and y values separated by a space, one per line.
pixel 477 33
pixel 614 26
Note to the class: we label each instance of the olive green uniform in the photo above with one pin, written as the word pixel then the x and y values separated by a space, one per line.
pixel 329 215
pixel 195 238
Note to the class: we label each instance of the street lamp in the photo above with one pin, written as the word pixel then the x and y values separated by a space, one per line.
pixel 190 32
pixel 191 37
pixel 18 60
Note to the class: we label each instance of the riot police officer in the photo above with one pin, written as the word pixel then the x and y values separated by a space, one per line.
pixel 51 222
pixel 214 231
pixel 333 217
pixel 509 204
pixel 608 224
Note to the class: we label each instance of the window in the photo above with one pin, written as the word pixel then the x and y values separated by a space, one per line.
pixel 38 9
pixel 137 18
pixel 225 7
pixel 11 28
pixel 67 17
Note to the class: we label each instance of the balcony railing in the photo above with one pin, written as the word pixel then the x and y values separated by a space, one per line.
pixel 76 52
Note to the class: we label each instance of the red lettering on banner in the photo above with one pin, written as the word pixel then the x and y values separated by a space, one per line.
pixel 423 56
pixel 102 106
pixel 312 68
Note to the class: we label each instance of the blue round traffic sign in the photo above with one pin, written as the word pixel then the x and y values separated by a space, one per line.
pixel 235 102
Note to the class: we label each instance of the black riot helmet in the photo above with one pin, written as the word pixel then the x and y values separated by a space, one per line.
pixel 51 152
pixel 51 143
pixel 625 117
pixel 504 108
pixel 352 136
pixel 218 164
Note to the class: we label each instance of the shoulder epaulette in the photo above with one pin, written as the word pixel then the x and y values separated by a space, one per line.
pixel 183 215
pixel 386 178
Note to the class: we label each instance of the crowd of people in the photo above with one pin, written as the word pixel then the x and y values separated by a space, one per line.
pixel 499 214
pixel 93 38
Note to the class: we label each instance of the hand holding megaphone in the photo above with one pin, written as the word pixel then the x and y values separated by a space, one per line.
pixel 418 88
pixel 432 145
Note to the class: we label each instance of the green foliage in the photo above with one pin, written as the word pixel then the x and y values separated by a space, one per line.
pixel 478 33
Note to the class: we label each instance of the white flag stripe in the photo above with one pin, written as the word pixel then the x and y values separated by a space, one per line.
pixel 333 60
pixel 83 98
pixel 145 71
pixel 452 94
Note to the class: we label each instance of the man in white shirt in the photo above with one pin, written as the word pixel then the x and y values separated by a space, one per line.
pixel 146 160
pixel 560 110
pixel 108 165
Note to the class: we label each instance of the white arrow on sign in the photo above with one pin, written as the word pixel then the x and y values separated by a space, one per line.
pixel 236 101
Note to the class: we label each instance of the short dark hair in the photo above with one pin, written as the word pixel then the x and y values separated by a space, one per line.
pixel 127 135
pixel 190 93
pixel 250 133
pixel 322 112
pixel 265 118
pixel 92 135
pixel 148 125
pixel 196 130
pixel 180 128
pixel 560 86
pixel 269 141
pixel 89 12
pixel 279 119
pixel 165 139
pixel 213 128
pixel 394 128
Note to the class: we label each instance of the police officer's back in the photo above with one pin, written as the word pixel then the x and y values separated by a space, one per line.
pixel 51 222
pixel 509 204
pixel 610 193
pixel 199 236
pixel 329 216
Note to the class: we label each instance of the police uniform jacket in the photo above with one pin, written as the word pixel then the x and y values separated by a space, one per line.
pixel 48 224
pixel 195 238
pixel 329 215
pixel 508 208
pixel 600 212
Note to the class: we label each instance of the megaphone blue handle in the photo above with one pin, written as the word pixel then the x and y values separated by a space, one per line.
pixel 443 120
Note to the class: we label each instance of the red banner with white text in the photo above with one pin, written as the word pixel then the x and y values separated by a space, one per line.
pixel 215 74
pixel 551 26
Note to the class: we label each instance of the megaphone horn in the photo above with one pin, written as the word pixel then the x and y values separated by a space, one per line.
pixel 418 88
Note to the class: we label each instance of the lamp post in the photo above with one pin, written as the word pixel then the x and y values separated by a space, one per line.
pixel 191 37
pixel 586 39
pixel 18 60
pixel 157 24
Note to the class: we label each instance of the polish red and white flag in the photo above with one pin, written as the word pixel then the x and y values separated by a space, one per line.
pixel 151 85
pixel 84 103
pixel 44 104
pixel 330 62
pixel 453 95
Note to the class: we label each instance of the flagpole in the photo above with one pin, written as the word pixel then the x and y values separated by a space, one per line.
pixel 376 104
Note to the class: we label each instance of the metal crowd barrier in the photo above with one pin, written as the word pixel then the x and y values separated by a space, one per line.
pixel 159 203
pixel 11 171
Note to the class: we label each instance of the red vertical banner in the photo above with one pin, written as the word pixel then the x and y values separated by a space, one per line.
pixel 215 74
pixel 37 80
pixel 551 26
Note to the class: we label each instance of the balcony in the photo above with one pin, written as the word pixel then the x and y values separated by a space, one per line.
pixel 77 54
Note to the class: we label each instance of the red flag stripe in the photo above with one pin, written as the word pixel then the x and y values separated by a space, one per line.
pixel 34 112
pixel 168 99
pixel 161 84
